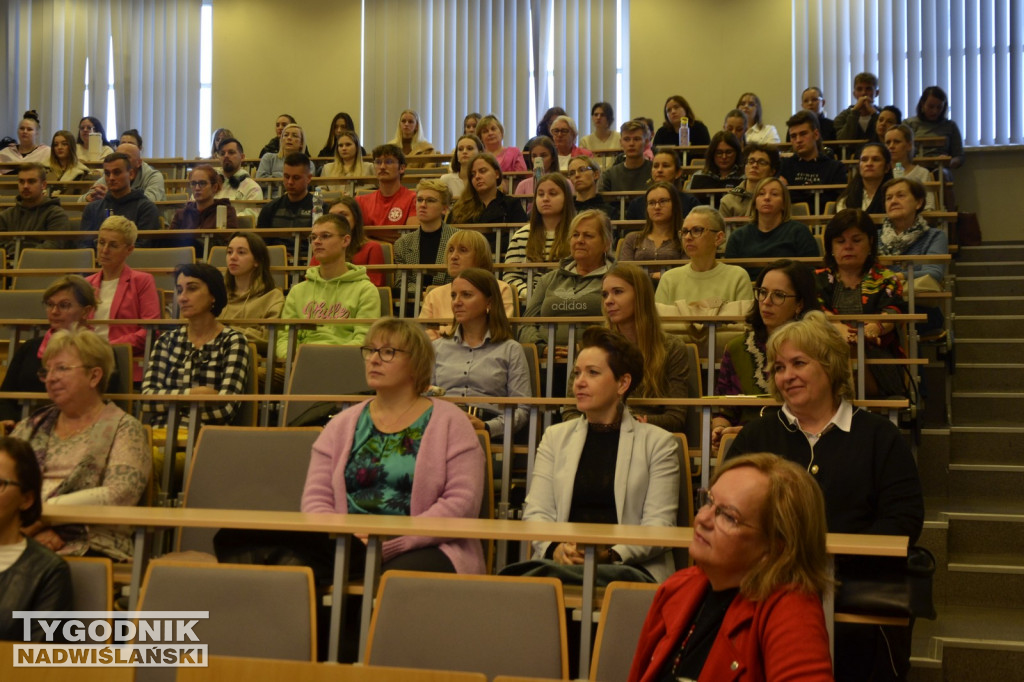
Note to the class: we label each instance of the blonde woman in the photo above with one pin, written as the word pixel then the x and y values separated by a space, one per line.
pixel 348 161
pixel 407 138
pixel 492 134
pixel 293 139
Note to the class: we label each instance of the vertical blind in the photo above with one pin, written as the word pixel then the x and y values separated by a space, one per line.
pixel 972 49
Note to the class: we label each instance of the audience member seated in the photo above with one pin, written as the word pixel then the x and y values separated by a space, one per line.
pixel 703 278
pixel 666 166
pixel 808 164
pixel 858 121
pixel 604 137
pixel 252 292
pixel 771 233
pixel 294 208
pixel 32 577
pixel 237 185
pixel 606 467
pixel 783 292
pixel 563 133
pixel 544 124
pixel 888 117
pixel 628 304
pixel 545 239
pixel 853 283
pixel 27 149
pixel 584 173
pixel 466 148
pixel 427 245
pixel 752 601
pixel 905 232
pixel 216 140
pixel 760 161
pixel 120 198
pixel 469 123
pixel 676 107
pixel 735 122
pixel 293 141
pixel 274 145
pixel 574 288
pixel 203 357
pixel 402 454
pixel 33 211
pixel 332 290
pixel 813 99
pixel 659 238
pixel 86 127
pixel 89 450
pixel 466 249
pixel 480 356
pixel 201 212
pixel 483 201
pixel 722 168
pixel 407 138
pixel 341 123
pixel 538 148
pixel 132 136
pixel 859 459
pixel 69 302
pixel 632 173
pixel 360 251
pixel 145 178
pixel 931 121
pixel 899 140
pixel 492 134
pixel 757 130
pixel 390 203
pixel 864 189
pixel 122 293
pixel 348 162
pixel 64 164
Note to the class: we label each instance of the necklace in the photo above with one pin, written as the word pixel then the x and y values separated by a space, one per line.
pixel 388 425
pixel 66 430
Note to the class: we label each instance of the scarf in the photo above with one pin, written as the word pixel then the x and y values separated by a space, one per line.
pixel 893 244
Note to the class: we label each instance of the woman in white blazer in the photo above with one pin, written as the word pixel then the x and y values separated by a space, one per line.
pixel 606 467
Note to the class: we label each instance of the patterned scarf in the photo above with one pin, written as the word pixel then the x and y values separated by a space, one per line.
pixel 894 244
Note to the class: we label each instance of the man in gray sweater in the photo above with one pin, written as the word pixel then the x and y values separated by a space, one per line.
pixel 34 211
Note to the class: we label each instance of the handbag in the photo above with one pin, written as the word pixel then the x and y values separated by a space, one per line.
pixel 888 587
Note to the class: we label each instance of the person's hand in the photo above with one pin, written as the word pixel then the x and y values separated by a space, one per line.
pixel 656 275
pixel 873 330
pixel 203 390
pixel 97 193
pixel 848 333
pixel 48 538
pixel 6 426
pixel 478 425
pixel 865 106
pixel 561 352
pixel 642 418
pixel 719 431
pixel 568 554
pixel 605 555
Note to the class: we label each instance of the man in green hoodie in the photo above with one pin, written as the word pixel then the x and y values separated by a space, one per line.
pixel 34 211
pixel 333 290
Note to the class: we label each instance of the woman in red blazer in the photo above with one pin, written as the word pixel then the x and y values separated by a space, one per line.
pixel 122 293
pixel 751 607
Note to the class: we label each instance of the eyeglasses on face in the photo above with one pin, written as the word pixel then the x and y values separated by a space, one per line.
pixel 560 131
pixel 63 306
pixel 727 519
pixel 760 163
pixel 58 371
pixel 199 184
pixel 387 353
pixel 777 297
pixel 657 203
pixel 695 232
pixel 319 236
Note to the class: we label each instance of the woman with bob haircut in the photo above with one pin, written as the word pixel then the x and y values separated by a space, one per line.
pixel 492 134
pixel 545 238
pixel 481 357
pixel 676 107
pixel 90 451
pixel 628 304
pixel 252 292
pixel 751 605
pixel 466 249
pixel 859 459
pixel 606 467
pixel 400 453
pixel 32 577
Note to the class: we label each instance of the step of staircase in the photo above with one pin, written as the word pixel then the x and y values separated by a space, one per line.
pixel 981 350
pixel 990 285
pixel 986 253
pixel 987 305
pixel 989 326
pixel 996 377
pixel 994 481
pixel 990 408
pixel 986 444
pixel 969 644
pixel 983 269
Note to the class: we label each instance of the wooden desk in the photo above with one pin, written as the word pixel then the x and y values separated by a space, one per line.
pixel 238 669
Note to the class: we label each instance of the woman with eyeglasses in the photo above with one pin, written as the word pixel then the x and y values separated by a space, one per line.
pixel 563 133
pixel 584 173
pixel 427 245
pixel 760 161
pixel 666 166
pixel 69 302
pixel 86 127
pixel 203 357
pixel 750 607
pixel 201 212
pixel 859 459
pixel 402 454
pixel 722 168
pixel 89 450
pixel 659 238
pixel 333 290
pixel 32 577
pixel 783 292
pixel 606 466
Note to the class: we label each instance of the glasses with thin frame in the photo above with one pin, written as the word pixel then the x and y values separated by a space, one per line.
pixel 63 306
pixel 778 297
pixel 727 519
pixel 58 371
pixel 319 236
pixel 656 203
pixel 199 184
pixel 760 163
pixel 387 353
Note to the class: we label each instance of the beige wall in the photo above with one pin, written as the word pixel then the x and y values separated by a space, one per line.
pixel 685 48
pixel 270 59
pixel 989 184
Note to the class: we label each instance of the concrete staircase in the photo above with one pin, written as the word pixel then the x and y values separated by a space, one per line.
pixel 972 471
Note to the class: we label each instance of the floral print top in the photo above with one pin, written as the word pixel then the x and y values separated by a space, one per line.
pixel 378 475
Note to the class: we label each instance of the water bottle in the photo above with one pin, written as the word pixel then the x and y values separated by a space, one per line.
pixel 318 205
pixel 538 170
pixel 897 171
pixel 684 132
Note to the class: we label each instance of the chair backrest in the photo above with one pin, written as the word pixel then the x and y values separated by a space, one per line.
pixel 684 513
pixel 387 302
pixel 21 305
pixel 144 258
pixel 241 669
pixel 73 260
pixel 347 374
pixel 466 615
pixel 533 366
pixel 254 610
pixel 218 258
pixel 245 468
pixel 389 259
pixel 723 450
pixel 487 501
pixel 92 583
pixel 247 410
pixel 124 366
pixel 800 208
pixel 695 387
pixel 623 613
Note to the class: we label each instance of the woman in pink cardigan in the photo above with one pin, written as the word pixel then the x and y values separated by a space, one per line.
pixel 401 453
pixel 122 293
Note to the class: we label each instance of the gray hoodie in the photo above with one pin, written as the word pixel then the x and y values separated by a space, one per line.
pixel 46 216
